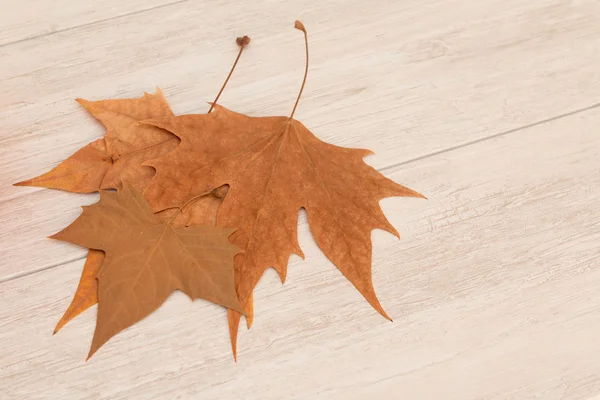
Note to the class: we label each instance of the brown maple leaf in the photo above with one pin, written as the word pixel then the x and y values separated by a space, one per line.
pixel 147 258
pixel 106 163
pixel 119 116
pixel 275 166
pixel 202 212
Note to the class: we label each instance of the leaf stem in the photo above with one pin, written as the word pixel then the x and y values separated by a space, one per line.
pixel 180 209
pixel 242 42
pixel 300 26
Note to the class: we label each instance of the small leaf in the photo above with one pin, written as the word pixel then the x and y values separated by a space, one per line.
pixel 147 259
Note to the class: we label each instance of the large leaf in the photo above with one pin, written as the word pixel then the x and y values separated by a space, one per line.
pixel 275 166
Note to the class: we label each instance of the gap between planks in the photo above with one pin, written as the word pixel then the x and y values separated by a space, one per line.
pixel 493 136
pixel 91 23
pixel 381 169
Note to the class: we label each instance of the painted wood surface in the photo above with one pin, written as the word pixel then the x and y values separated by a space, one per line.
pixel 491 109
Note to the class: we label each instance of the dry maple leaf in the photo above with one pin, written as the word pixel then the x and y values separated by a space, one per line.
pixel 118 117
pixel 119 155
pixel 202 212
pixel 275 166
pixel 104 163
pixel 147 259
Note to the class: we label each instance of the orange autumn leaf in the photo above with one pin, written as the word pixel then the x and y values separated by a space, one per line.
pixel 106 163
pixel 147 258
pixel 87 291
pixel 275 166
pixel 101 166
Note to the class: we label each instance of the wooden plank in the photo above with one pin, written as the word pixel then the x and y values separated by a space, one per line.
pixel 400 78
pixel 493 291
pixel 19 21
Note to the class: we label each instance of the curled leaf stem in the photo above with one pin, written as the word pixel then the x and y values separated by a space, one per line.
pixel 180 209
pixel 300 26
pixel 242 42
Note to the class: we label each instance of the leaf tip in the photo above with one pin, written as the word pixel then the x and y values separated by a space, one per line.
pixel 281 272
pixel 298 251
pixel 386 316
pixel 393 231
pixel 93 350
pixel 58 326
pixel 83 102
pixel 300 26
pixel 418 195
pixel 53 236
pixel 403 191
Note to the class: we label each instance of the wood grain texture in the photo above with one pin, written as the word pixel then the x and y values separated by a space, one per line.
pixel 494 286
pixel 402 80
pixel 37 18
pixel 493 291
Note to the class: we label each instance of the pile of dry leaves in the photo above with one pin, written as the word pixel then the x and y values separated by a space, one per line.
pixel 205 203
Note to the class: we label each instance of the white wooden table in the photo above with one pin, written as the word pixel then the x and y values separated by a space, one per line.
pixel 490 108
